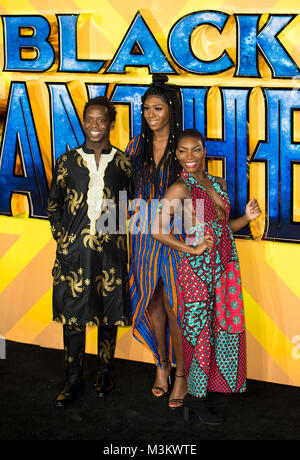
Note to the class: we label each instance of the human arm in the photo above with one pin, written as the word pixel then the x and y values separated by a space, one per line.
pixel 56 198
pixel 252 211
pixel 170 206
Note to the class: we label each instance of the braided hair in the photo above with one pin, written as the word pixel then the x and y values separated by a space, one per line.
pixel 145 170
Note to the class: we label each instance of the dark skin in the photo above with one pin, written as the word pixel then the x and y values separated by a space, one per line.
pixel 190 154
pixel 97 127
pixel 157 115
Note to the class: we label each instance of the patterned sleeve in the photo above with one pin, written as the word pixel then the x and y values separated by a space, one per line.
pixel 56 196
pixel 133 146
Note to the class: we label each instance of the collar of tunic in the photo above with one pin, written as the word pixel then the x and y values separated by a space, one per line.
pixel 91 151
pixel 96 184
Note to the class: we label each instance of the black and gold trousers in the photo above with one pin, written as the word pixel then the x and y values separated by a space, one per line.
pixel 74 345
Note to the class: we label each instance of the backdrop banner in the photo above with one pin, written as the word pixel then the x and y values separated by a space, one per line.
pixel 238 68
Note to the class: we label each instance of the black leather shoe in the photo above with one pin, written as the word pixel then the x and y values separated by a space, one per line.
pixel 70 392
pixel 104 384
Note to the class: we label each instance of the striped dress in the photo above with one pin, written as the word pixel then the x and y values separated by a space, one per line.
pixel 150 260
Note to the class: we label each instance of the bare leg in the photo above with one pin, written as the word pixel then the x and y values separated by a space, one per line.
pixel 160 311
pixel 159 320
pixel 180 387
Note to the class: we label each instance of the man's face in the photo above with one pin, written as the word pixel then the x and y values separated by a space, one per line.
pixel 96 124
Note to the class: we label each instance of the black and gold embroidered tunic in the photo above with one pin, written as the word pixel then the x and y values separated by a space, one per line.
pixel 90 281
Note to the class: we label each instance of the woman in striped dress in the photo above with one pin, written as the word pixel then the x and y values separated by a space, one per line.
pixel 153 266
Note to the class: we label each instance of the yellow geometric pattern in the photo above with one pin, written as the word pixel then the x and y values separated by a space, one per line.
pixel 270 271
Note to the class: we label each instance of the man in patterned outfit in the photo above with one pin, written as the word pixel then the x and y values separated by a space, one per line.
pixel 90 281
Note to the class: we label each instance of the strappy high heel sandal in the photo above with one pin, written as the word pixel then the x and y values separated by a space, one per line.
pixel 177 401
pixel 161 390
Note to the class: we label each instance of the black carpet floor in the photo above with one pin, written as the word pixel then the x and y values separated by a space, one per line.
pixel 31 377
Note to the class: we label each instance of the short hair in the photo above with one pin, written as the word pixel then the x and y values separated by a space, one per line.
pixel 103 101
pixel 191 133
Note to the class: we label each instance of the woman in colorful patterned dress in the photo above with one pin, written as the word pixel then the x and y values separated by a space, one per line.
pixel 153 266
pixel 208 279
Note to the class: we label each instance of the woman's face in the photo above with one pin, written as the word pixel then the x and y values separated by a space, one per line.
pixel 157 113
pixel 190 154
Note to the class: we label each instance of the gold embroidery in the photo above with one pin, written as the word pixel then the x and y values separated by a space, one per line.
pixel 106 237
pixel 105 321
pixel 56 272
pixel 52 205
pixel 60 319
pixel 80 161
pixel 96 185
pixel 63 158
pixel 121 242
pixel 121 323
pixel 109 201
pixel 75 282
pixel 124 163
pixel 107 194
pixel 95 322
pixel 73 320
pixel 106 350
pixel 71 238
pixel 93 241
pixel 105 282
pixel 64 241
pixel 74 201
pixel 62 173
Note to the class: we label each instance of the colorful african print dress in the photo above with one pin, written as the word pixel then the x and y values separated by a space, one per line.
pixel 149 261
pixel 211 303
